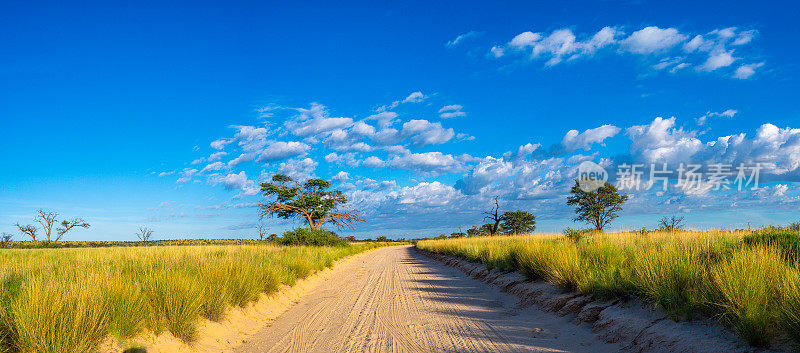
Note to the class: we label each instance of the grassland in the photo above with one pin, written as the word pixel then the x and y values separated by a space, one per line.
pixel 749 281
pixel 69 300
pixel 105 244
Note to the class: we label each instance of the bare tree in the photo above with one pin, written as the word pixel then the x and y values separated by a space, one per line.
pixel 262 229
pixel 46 220
pixel 493 216
pixel 5 238
pixel 67 225
pixel 144 234
pixel 671 223
pixel 29 230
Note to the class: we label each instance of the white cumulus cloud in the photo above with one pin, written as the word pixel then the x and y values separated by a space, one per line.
pixel 574 139
pixel 282 149
pixel 423 132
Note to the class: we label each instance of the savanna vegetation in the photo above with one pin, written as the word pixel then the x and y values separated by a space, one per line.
pixel 69 300
pixel 749 280
pixel 67 296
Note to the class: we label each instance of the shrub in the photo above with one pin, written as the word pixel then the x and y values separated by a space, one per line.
pixel 575 235
pixel 313 237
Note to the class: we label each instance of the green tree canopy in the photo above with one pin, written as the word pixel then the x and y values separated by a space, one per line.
pixel 311 201
pixel 598 207
pixel 491 228
pixel 518 222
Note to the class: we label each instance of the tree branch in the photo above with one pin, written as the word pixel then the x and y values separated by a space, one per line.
pixel 67 225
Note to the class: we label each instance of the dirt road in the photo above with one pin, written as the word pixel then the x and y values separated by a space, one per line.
pixel 397 300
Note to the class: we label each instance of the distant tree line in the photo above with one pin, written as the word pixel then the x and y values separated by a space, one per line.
pixel 596 207
pixel 506 223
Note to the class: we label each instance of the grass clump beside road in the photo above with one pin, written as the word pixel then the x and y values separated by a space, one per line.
pixel 749 280
pixel 69 300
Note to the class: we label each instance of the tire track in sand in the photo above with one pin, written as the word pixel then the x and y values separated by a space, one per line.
pixel 396 300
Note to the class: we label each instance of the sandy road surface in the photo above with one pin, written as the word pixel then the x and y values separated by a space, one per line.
pixel 397 300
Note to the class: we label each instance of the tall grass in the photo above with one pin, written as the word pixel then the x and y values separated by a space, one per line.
pixel 750 281
pixel 68 300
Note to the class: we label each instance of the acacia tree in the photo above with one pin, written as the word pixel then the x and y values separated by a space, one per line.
pixel 47 220
pixel 489 227
pixel 67 225
pixel 29 230
pixel 493 216
pixel 458 234
pixel 518 222
pixel 598 207
pixel 671 223
pixel 310 201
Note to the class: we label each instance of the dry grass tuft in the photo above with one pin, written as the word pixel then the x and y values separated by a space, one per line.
pixel 68 300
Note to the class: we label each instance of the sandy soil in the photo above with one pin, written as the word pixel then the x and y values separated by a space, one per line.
pixel 399 300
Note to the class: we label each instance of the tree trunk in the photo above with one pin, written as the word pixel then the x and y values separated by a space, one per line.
pixel 311 223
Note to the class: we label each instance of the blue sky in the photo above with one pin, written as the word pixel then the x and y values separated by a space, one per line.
pixel 424 110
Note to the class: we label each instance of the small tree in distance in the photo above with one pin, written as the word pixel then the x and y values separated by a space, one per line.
pixel 310 201
pixel 598 207
pixel 671 223
pixel 144 234
pixel 5 238
pixel 262 229
pixel 518 222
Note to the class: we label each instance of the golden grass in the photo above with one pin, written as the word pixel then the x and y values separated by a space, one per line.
pixel 68 300
pixel 753 288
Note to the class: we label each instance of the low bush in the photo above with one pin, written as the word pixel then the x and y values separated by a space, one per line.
pixel 312 237
pixel 576 235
